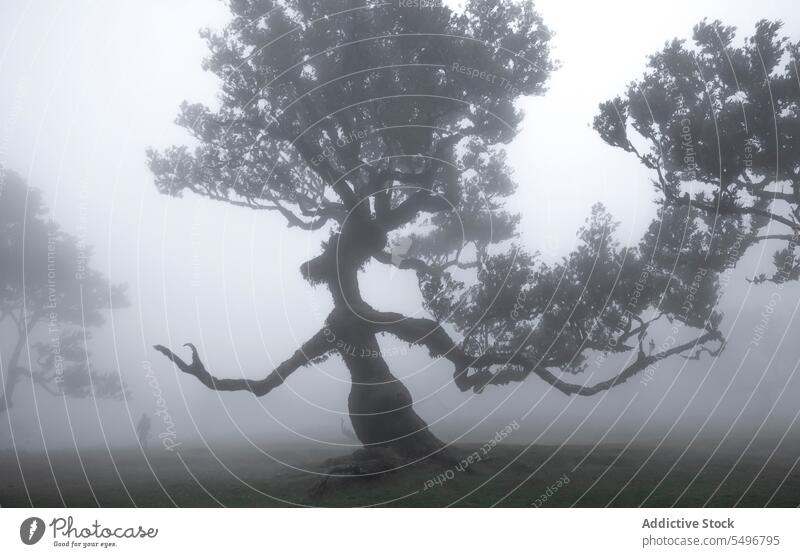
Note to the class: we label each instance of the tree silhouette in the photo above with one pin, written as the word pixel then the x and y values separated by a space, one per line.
pixel 385 124
pixel 717 123
pixel 49 298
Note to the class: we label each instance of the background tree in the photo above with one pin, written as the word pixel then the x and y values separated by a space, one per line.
pixel 385 125
pixel 718 123
pixel 49 298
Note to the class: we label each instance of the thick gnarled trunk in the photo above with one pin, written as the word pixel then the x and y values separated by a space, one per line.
pixel 380 405
pixel 381 408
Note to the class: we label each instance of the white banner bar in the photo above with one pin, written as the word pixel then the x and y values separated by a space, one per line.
pixel 398 532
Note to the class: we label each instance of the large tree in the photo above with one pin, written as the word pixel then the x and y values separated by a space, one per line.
pixel 50 298
pixel 717 121
pixel 385 125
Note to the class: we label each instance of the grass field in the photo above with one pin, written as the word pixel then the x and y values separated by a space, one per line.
pixel 509 475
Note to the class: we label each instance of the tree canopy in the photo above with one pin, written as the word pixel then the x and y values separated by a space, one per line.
pixel 717 121
pixel 326 105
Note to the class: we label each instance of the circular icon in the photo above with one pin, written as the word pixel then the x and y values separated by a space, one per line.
pixel 31 530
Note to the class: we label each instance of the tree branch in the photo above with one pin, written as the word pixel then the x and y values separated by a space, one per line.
pixel 421 200
pixel 418 202
pixel 517 366
pixel 420 266
pixel 315 347
pixel 727 209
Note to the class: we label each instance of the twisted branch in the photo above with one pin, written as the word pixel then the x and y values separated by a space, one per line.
pixel 315 347
pixel 516 366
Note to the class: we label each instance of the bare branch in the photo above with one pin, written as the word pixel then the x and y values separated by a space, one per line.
pixel 787 237
pixel 315 347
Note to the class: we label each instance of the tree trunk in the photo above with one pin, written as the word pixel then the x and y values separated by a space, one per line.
pixel 11 375
pixel 381 407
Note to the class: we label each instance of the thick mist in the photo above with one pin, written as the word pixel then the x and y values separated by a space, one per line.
pixel 87 87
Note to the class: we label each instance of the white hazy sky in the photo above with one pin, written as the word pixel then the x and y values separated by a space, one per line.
pixel 87 86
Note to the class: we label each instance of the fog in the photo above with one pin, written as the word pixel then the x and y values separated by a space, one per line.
pixel 87 87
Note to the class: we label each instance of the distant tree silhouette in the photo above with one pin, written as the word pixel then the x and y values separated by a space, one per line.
pixel 49 298
pixel 718 124
pixel 385 124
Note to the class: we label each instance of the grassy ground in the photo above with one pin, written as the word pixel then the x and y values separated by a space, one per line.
pixel 508 476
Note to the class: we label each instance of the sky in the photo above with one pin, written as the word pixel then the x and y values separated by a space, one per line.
pixel 87 86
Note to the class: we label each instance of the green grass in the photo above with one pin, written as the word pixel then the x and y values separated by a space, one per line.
pixel 508 476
